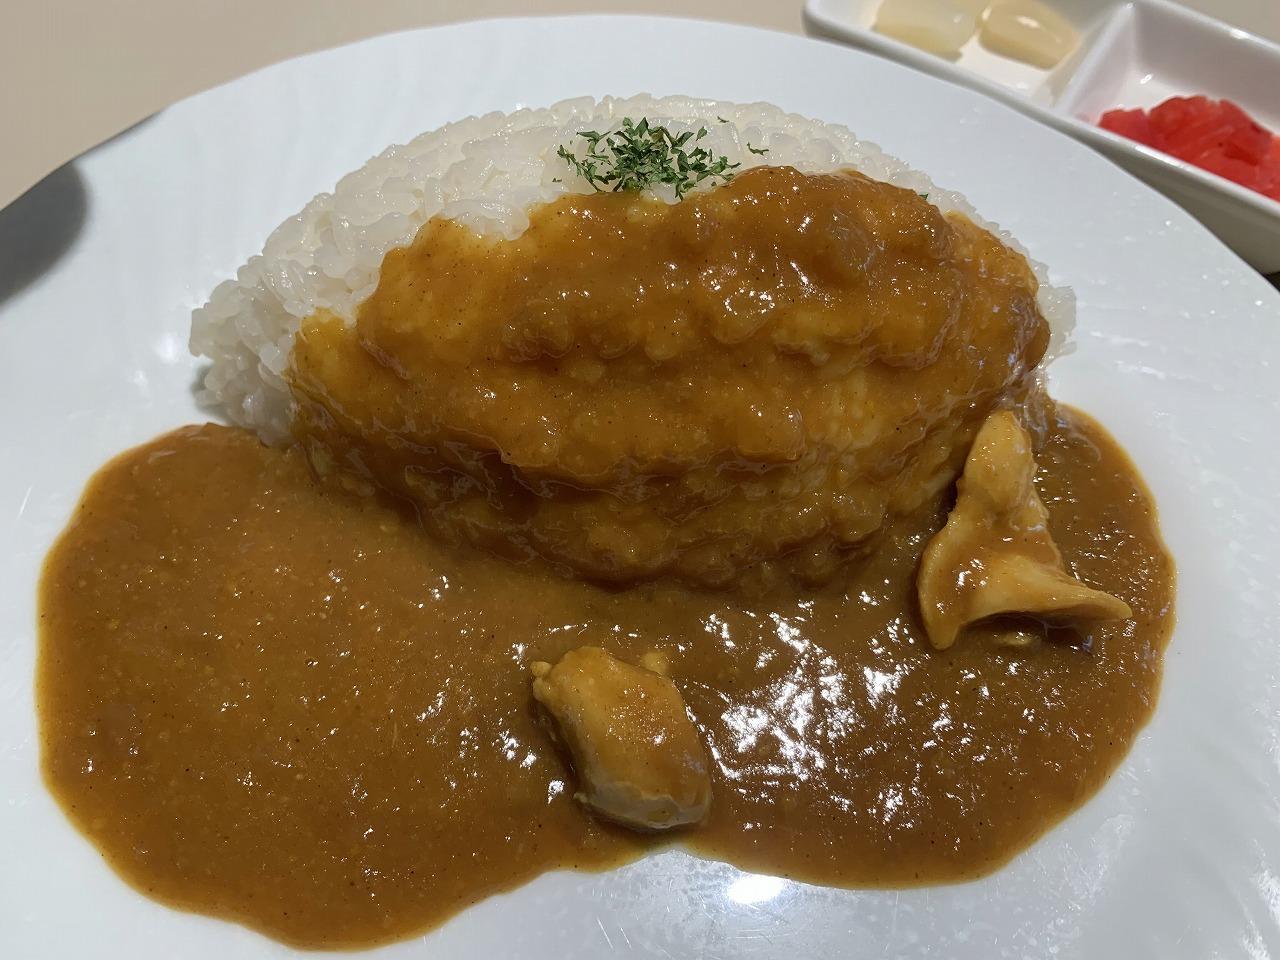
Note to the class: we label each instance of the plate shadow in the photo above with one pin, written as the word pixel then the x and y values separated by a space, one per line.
pixel 38 229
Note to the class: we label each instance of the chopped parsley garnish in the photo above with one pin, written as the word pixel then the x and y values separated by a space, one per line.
pixel 758 151
pixel 638 155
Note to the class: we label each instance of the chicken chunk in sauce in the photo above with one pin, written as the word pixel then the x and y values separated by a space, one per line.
pixel 639 759
pixel 995 555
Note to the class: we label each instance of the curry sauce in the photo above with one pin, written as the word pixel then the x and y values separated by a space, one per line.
pixel 749 382
pixel 268 700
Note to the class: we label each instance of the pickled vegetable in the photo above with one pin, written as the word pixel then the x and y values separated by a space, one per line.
pixel 1029 31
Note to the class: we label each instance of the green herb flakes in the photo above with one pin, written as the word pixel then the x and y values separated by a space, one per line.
pixel 639 155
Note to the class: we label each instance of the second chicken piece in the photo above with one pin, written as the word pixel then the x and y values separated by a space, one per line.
pixel 639 759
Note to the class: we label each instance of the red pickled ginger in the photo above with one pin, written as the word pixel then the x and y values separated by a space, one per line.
pixel 1215 135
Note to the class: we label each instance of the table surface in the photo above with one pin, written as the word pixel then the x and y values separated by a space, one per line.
pixel 79 71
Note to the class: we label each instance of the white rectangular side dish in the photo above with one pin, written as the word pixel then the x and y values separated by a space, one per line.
pixel 1131 54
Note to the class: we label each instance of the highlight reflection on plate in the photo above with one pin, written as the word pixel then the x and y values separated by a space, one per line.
pixel 753 888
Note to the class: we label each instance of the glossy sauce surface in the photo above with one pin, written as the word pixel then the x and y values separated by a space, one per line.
pixel 285 705
pixel 756 377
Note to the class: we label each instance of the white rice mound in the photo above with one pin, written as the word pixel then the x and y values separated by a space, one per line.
pixel 488 172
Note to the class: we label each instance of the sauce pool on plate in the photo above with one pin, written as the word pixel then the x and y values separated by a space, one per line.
pixel 278 703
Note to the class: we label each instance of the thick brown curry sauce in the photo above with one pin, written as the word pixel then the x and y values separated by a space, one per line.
pixel 286 706
pixel 749 381
pixel 720 432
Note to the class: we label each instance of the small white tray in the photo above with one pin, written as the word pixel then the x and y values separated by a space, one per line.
pixel 1132 54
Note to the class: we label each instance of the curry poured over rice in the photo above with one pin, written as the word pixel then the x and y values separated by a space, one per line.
pixel 712 499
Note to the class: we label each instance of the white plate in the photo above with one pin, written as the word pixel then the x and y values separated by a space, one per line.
pixel 1132 53
pixel 1178 352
